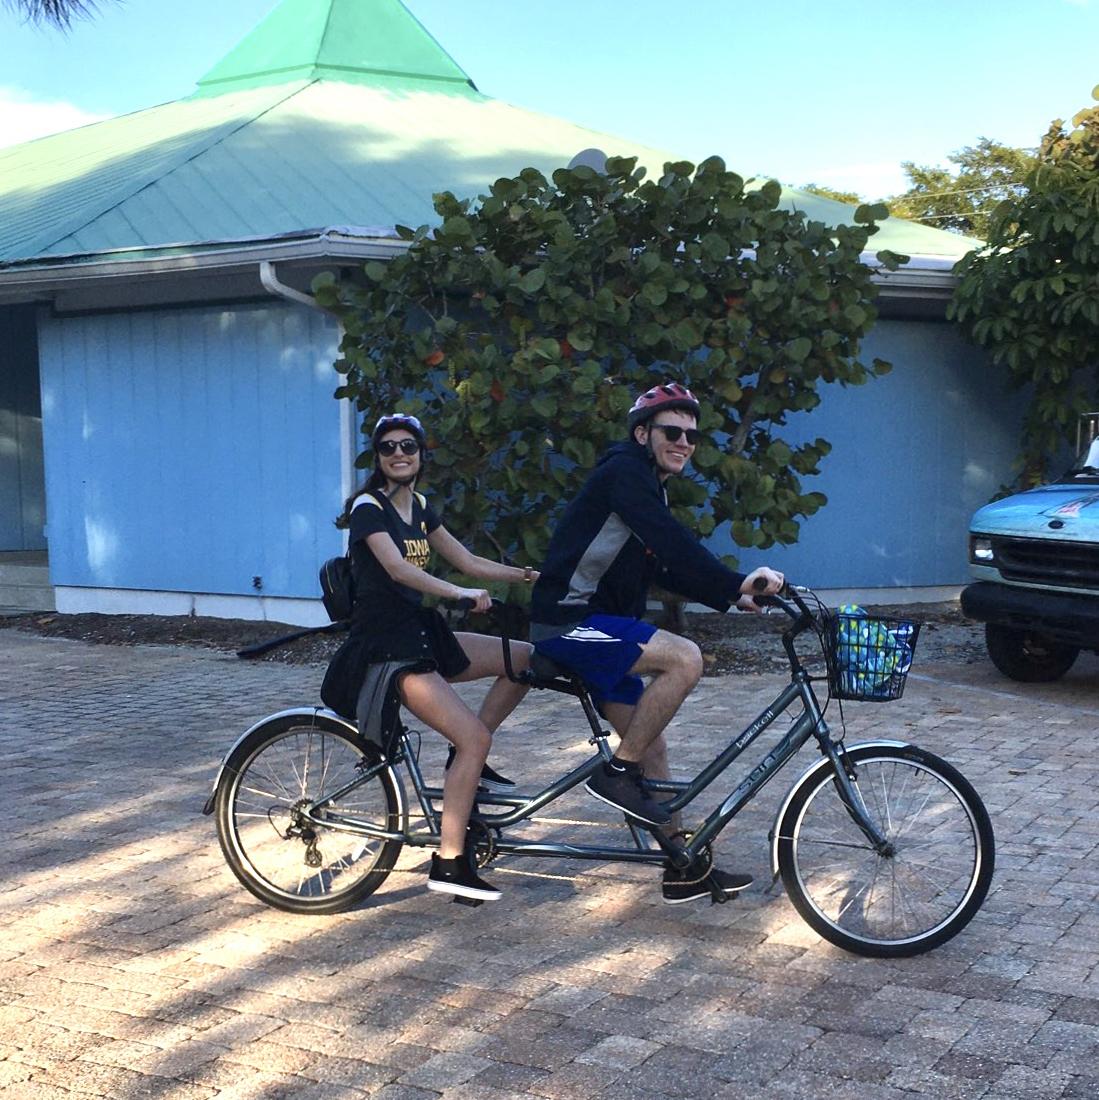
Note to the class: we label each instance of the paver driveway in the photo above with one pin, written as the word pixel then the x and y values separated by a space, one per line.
pixel 132 964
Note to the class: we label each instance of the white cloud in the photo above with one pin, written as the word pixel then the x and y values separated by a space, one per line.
pixel 23 118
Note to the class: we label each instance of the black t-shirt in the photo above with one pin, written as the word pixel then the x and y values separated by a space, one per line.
pixel 389 621
pixel 375 590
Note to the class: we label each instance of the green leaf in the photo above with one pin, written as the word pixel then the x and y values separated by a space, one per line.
pixel 533 280
pixel 798 350
pixel 544 405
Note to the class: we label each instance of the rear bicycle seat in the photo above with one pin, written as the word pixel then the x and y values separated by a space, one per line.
pixel 546 668
pixel 544 672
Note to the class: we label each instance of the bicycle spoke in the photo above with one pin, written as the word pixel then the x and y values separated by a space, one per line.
pixel 300 765
pixel 908 898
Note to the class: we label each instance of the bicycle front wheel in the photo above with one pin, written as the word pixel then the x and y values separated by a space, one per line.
pixel 285 848
pixel 920 893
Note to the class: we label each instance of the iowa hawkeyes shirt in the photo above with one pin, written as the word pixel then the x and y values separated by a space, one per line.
pixel 373 514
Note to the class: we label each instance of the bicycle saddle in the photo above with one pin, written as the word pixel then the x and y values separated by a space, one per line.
pixel 545 668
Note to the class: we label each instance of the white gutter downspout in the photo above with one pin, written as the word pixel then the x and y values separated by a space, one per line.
pixel 272 283
pixel 277 287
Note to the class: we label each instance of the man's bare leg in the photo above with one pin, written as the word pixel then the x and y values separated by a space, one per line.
pixel 675 665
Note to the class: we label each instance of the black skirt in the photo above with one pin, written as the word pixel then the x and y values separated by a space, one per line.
pixel 413 634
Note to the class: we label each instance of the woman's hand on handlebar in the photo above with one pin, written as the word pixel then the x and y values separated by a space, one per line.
pixel 479 599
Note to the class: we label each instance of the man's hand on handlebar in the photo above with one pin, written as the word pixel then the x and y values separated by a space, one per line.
pixel 760 582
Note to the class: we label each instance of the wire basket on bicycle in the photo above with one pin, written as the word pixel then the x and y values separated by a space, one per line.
pixel 868 656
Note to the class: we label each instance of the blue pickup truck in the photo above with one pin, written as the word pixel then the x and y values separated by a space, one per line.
pixel 1035 560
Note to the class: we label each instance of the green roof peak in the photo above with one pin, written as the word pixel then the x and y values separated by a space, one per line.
pixel 356 41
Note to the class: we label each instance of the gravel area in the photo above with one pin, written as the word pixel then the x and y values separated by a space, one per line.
pixel 729 643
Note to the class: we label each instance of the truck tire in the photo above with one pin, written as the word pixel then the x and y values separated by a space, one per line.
pixel 1027 656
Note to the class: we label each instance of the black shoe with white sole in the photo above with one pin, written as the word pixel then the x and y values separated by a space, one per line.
pixel 701 880
pixel 619 785
pixel 456 876
pixel 491 780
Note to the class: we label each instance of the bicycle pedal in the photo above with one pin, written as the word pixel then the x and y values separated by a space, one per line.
pixel 467 901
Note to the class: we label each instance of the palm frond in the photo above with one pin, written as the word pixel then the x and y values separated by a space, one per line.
pixel 57 13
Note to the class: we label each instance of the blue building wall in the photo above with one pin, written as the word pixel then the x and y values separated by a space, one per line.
pixel 915 453
pixel 191 449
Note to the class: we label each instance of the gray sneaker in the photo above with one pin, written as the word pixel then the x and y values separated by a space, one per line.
pixel 621 787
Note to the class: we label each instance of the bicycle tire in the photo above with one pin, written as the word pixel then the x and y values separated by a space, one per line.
pixel 931 886
pixel 281 764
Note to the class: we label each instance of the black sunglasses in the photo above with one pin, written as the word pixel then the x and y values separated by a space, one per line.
pixel 672 432
pixel 389 447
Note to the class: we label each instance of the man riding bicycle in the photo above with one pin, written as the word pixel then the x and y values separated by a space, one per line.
pixel 616 538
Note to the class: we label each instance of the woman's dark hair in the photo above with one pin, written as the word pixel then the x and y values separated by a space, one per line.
pixel 375 481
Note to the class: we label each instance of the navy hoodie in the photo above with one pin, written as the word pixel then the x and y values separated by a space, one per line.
pixel 615 539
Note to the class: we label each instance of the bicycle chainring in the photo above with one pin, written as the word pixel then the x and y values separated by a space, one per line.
pixel 481 841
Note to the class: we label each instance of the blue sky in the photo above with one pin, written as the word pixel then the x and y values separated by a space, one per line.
pixel 832 91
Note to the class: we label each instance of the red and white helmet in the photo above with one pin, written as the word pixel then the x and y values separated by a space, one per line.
pixel 669 396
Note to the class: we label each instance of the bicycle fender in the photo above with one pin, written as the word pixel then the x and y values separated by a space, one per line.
pixel 810 773
pixel 319 716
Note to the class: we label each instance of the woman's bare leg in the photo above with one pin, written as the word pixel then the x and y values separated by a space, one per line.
pixel 486 658
pixel 428 696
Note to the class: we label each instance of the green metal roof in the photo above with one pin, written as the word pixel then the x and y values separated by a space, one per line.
pixel 332 112
pixel 354 41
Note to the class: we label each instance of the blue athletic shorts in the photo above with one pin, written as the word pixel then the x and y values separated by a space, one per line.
pixel 601 650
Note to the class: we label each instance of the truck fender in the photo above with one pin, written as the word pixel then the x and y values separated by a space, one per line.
pixel 811 773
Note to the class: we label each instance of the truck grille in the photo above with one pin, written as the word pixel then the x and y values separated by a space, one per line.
pixel 1045 561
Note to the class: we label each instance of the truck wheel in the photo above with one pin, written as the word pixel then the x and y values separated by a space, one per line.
pixel 1027 656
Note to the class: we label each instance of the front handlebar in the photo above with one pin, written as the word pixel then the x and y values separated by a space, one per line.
pixel 788 599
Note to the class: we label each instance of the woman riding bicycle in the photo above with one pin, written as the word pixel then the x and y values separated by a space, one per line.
pixel 393 530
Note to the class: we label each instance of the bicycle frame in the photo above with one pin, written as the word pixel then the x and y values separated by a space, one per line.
pixel 809 723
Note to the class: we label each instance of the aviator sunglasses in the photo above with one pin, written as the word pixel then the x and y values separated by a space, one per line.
pixel 672 432
pixel 389 447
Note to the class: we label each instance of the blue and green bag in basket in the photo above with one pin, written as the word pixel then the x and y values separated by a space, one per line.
pixel 868 657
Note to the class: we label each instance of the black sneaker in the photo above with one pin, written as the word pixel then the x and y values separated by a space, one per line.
pixel 491 780
pixel 456 876
pixel 621 787
pixel 701 880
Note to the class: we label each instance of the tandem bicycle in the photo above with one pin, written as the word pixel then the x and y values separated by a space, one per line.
pixel 884 848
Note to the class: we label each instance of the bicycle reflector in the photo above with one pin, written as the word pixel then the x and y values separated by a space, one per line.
pixel 868 658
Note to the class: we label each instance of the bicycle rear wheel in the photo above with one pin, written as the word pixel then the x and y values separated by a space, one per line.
pixel 925 891
pixel 285 858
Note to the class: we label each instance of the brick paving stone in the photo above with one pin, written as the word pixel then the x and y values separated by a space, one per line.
pixel 511 1076
pixel 349 1072
pixel 971 1066
pixel 1082 1087
pixel 11 1073
pixel 846 1056
pixel 445 1070
pixel 618 1052
pixel 127 950
pixel 577 1081
pixel 1078 1010
pixel 1033 1084
pixel 926 1082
